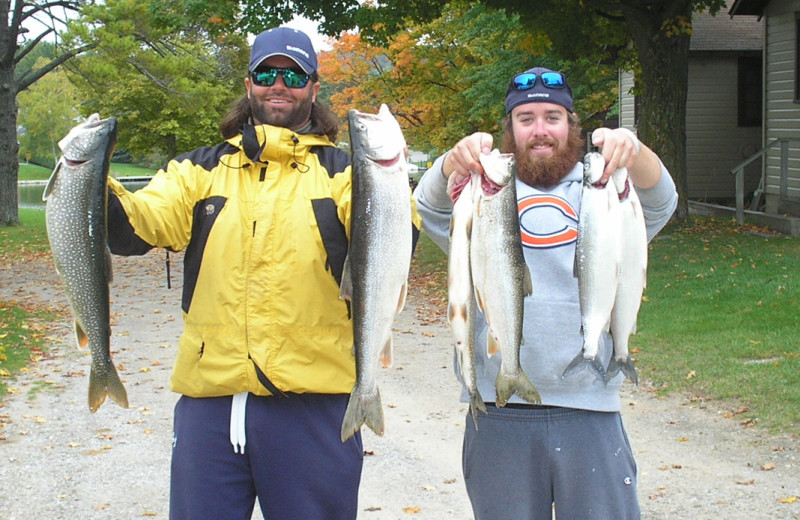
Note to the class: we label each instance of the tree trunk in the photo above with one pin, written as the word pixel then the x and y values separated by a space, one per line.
pixel 663 49
pixel 9 147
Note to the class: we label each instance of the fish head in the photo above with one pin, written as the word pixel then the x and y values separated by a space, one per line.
pixel 499 169
pixel 378 138
pixel 593 166
pixel 94 139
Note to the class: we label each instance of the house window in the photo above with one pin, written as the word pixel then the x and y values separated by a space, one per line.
pixel 750 90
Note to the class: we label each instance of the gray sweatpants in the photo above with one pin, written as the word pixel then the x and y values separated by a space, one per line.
pixel 524 461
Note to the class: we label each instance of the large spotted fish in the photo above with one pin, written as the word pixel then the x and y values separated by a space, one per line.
pixel 75 210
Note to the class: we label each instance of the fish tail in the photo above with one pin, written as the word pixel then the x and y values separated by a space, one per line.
pixel 363 408
pixel 627 367
pixel 106 382
pixel 508 385
pixel 581 362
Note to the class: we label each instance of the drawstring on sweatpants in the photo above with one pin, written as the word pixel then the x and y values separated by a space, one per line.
pixel 238 436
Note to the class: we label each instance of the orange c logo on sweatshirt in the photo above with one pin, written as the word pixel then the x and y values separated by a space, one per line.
pixel 555 228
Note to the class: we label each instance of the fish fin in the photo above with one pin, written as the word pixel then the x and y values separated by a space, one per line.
pixel 575 264
pixel 492 347
pixel 109 269
pixel 478 299
pixel 527 283
pixel 362 408
pixel 476 404
pixel 80 336
pixel 402 302
pixel 386 353
pixel 519 384
pixel 346 287
pixel 106 382
pixel 52 180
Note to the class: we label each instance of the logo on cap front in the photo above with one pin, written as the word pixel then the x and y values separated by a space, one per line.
pixel 538 94
pixel 297 50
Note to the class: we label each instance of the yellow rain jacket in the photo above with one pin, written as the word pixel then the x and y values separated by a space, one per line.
pixel 264 218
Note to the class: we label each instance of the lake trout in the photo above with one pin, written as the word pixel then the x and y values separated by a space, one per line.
pixel 75 211
pixel 499 273
pixel 460 293
pixel 597 253
pixel 632 276
pixel 375 276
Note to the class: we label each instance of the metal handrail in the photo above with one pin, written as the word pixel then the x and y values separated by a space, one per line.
pixel 738 171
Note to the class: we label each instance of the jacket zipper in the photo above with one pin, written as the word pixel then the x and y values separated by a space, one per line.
pixel 261 177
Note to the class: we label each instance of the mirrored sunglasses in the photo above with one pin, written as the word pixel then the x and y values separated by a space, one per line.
pixel 266 77
pixel 527 80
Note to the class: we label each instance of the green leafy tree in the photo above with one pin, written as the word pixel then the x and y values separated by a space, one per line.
pixel 448 78
pixel 594 30
pixel 47 111
pixel 26 26
pixel 167 90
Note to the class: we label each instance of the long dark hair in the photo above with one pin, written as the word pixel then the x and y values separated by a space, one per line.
pixel 323 120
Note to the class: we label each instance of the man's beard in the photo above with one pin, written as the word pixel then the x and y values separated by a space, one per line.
pixel 292 120
pixel 547 171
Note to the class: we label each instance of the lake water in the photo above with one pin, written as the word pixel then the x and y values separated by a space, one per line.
pixel 30 192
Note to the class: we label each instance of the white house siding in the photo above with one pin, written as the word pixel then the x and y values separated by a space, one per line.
pixel 714 141
pixel 782 113
pixel 627 112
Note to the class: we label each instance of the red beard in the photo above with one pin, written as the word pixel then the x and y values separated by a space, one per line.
pixel 547 171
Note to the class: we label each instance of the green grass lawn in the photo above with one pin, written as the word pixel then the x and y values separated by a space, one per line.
pixel 720 319
pixel 33 172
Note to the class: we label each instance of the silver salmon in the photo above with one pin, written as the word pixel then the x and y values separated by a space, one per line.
pixel 460 294
pixel 375 276
pixel 632 276
pixel 499 273
pixel 75 211
pixel 597 253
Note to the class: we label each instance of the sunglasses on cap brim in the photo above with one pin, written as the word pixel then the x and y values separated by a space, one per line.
pixel 527 80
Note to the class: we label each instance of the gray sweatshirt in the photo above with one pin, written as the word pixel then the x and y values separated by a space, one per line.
pixel 552 320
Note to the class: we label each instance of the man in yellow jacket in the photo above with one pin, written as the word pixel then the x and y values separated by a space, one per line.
pixel 265 357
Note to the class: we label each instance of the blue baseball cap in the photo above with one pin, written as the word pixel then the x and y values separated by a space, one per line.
pixel 284 41
pixel 539 85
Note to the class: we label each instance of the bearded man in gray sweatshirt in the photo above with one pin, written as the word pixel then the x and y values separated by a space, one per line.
pixel 569 453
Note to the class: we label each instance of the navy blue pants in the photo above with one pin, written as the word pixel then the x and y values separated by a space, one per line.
pixel 522 462
pixel 294 460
